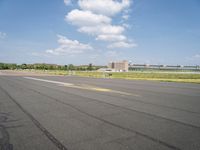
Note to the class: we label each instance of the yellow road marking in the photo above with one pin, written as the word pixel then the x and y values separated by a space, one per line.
pixel 102 89
pixel 84 87
pixel 98 89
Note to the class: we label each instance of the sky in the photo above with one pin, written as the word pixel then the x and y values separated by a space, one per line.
pixel 98 31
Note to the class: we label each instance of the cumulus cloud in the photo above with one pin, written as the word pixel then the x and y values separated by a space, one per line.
pixel 107 37
pixel 86 18
pixel 106 7
pixel 122 44
pixel 102 29
pixel 3 35
pixel 94 17
pixel 67 46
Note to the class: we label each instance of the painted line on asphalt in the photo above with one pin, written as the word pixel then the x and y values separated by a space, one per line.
pixel 49 81
pixel 84 87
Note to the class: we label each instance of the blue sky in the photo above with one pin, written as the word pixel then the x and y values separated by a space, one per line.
pixel 98 31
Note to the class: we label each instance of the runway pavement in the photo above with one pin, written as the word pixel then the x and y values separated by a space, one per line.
pixel 77 113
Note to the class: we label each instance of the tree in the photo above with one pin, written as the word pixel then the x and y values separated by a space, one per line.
pixel 65 67
pixel 2 66
pixel 90 68
pixel 24 66
pixel 71 67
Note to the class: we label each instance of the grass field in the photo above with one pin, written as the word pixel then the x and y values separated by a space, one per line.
pixel 134 75
pixel 157 76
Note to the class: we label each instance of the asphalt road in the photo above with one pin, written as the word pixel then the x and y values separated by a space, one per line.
pixel 75 113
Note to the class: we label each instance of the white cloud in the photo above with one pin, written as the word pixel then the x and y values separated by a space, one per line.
pixel 67 2
pixel 3 35
pixel 102 29
pixel 86 18
pixel 122 44
pixel 67 46
pixel 108 37
pixel 106 7
pixel 95 18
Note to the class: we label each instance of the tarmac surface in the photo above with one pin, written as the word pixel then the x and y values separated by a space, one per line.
pixel 39 112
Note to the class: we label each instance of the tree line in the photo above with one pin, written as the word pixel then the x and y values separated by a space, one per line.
pixel 43 66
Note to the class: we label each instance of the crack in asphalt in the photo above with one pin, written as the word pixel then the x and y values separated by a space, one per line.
pixel 51 137
pixel 125 108
pixel 110 123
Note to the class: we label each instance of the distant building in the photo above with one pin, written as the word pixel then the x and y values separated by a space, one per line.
pixel 119 66
pixel 164 67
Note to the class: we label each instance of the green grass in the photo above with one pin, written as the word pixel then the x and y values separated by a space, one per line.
pixel 135 75
pixel 156 76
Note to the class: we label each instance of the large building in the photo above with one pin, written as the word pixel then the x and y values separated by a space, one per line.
pixel 119 66
pixel 163 67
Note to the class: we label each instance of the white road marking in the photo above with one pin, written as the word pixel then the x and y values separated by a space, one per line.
pixel 50 81
pixel 84 87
